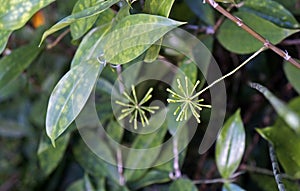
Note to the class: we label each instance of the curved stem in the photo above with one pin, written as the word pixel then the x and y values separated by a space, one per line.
pixel 230 73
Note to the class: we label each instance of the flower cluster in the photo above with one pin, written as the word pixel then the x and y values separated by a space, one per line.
pixel 136 109
pixel 188 101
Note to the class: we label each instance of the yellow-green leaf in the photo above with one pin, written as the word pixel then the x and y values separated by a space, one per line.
pixel 69 97
pixel 15 13
pixel 133 35
pixel 80 27
pixel 86 13
pixel 230 145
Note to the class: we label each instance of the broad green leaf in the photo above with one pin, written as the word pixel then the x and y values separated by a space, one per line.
pixel 105 17
pixel 142 154
pixel 86 13
pixel 231 187
pixel 4 35
pixel 133 35
pixel 292 5
pixel 115 131
pixel 12 65
pixel 76 186
pixel 267 183
pixel 15 13
pixel 239 41
pixel 87 46
pixel 230 145
pixel 70 95
pixel 286 113
pixel 292 73
pixel 161 8
pixel 49 157
pixel 151 177
pixel 285 141
pixel 271 11
pixel 80 27
pixel 183 184
pixel 203 11
pixel 93 164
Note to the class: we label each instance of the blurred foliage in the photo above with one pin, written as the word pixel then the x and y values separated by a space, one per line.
pixel 43 89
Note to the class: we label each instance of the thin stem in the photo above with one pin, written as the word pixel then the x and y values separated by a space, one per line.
pixel 59 38
pixel 120 167
pixel 230 73
pixel 265 42
pixel 276 170
pixel 177 172
pixel 219 180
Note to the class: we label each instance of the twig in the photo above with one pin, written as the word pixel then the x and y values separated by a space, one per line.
pixel 264 41
pixel 290 42
pixel 120 167
pixel 219 180
pixel 276 170
pixel 177 173
pixel 61 36
pixel 259 170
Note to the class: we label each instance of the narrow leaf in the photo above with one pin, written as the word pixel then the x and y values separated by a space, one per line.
pixel 183 184
pixel 162 8
pixel 15 13
pixel 286 113
pixel 246 43
pixel 133 35
pixel 230 145
pixel 86 13
pixel 50 157
pixel 4 35
pixel 70 95
pixel 12 65
pixel 271 11
pixel 292 74
pixel 285 141
pixel 80 27
pixel 88 45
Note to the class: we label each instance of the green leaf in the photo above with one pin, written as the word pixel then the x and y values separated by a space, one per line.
pixel 86 13
pixel 115 131
pixel 49 157
pixel 292 73
pixel 88 45
pixel 4 36
pixel 203 11
pixel 15 13
pixel 183 184
pixel 70 95
pixel 80 27
pixel 142 154
pixel 231 187
pixel 271 11
pixel 133 35
pixel 285 142
pixel 161 8
pixel 151 177
pixel 239 41
pixel 286 113
pixel 76 186
pixel 88 186
pixel 93 164
pixel 230 145
pixel 12 65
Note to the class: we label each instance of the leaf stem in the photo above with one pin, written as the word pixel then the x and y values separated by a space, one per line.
pixel 242 25
pixel 276 170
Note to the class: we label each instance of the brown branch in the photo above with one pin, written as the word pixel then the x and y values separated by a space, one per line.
pixel 59 38
pixel 264 41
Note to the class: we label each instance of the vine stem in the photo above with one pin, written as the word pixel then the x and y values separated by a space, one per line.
pixel 230 73
pixel 177 173
pixel 276 170
pixel 242 25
